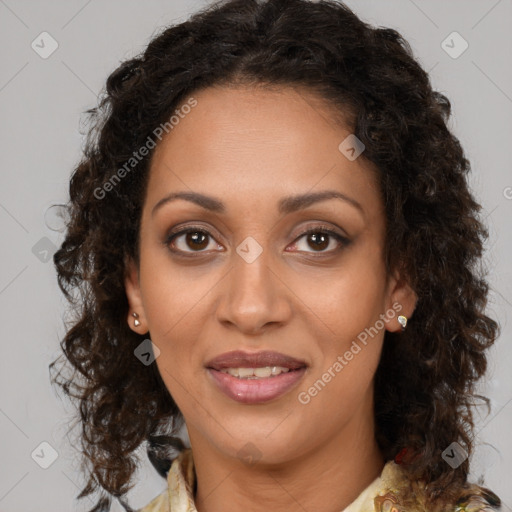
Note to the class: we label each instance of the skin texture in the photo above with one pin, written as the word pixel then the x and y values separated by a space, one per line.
pixel 249 148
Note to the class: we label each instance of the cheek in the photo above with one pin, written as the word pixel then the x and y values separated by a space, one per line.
pixel 348 352
pixel 349 333
pixel 180 355
pixel 173 294
pixel 341 393
pixel 346 300
pixel 175 302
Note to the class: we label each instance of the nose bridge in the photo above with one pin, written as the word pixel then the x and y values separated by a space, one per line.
pixel 254 295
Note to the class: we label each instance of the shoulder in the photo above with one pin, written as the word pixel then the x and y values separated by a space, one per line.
pixel 178 497
pixel 398 493
pixel 475 498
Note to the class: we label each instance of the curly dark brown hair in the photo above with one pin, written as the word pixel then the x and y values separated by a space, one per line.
pixel 425 382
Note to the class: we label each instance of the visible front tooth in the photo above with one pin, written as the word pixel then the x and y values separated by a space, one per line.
pixel 255 373
pixel 245 372
pixel 263 372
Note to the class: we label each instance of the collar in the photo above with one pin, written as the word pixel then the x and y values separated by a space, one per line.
pixel 382 495
pixel 377 497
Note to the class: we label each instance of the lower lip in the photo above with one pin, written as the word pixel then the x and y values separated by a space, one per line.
pixel 255 391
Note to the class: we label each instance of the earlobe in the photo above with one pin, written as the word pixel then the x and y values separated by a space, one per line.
pixel 402 301
pixel 136 317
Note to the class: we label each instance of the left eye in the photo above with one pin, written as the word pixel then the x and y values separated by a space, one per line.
pixel 321 239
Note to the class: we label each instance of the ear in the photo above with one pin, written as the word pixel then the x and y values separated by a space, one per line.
pixel 133 293
pixel 401 299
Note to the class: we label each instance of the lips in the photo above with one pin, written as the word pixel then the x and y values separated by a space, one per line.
pixel 256 390
pixel 241 359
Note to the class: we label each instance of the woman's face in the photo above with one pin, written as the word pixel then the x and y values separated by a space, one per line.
pixel 260 167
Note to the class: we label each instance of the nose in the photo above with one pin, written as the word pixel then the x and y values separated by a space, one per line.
pixel 254 297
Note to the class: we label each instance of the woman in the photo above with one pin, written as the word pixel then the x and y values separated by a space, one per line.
pixel 273 240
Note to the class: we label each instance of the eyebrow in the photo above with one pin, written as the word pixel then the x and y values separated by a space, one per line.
pixel 286 205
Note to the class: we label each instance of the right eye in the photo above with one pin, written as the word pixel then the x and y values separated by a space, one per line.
pixel 190 240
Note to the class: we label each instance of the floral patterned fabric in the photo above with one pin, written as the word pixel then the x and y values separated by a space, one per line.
pixel 380 496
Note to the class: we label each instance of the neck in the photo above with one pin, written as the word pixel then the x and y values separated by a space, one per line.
pixel 326 478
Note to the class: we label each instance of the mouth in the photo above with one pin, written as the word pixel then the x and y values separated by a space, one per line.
pixel 253 378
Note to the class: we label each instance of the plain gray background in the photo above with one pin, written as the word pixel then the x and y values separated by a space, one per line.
pixel 41 101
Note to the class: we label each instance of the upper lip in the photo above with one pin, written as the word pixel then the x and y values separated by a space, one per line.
pixel 241 359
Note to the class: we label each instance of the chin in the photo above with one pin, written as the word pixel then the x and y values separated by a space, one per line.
pixel 255 446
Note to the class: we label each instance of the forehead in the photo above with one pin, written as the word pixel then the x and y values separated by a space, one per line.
pixel 259 141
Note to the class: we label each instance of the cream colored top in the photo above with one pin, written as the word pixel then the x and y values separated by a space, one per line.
pixel 379 496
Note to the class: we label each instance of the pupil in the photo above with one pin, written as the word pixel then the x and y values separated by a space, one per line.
pixel 319 240
pixel 195 239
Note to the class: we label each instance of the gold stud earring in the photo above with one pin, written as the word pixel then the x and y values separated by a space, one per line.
pixel 402 320
pixel 136 321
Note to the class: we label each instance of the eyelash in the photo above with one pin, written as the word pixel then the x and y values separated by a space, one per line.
pixel 323 230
